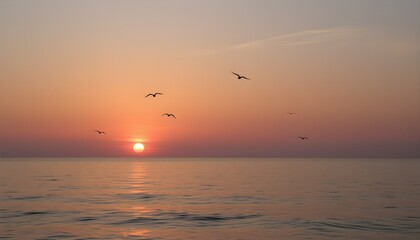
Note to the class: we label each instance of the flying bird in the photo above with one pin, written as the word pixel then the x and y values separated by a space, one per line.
pixel 291 113
pixel 169 115
pixel 240 76
pixel 99 132
pixel 302 138
pixel 153 94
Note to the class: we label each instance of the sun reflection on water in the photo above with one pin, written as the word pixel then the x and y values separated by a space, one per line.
pixel 136 189
pixel 137 178
pixel 136 233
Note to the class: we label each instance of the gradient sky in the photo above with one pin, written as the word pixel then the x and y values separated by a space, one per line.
pixel 349 69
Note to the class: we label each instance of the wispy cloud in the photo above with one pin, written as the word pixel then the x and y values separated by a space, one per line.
pixel 299 38
pixel 308 37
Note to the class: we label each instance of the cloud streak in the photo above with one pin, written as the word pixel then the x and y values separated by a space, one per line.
pixel 308 37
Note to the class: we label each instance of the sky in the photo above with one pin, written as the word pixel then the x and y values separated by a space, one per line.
pixel 350 70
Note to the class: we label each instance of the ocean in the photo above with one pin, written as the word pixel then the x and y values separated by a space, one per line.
pixel 209 198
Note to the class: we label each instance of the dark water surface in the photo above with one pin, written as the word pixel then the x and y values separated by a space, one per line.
pixel 198 198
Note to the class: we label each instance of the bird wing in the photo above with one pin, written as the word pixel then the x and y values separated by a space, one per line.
pixel 245 78
pixel 173 116
pixel 236 74
pixel 149 95
pixel 159 93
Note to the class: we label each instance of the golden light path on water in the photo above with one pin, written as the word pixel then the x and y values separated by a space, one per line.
pixel 137 187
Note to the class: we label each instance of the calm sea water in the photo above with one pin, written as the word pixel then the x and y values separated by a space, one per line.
pixel 200 198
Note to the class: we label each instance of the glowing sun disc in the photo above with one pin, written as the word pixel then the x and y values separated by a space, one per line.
pixel 138 147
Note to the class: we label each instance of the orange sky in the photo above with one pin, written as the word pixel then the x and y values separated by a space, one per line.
pixel 349 70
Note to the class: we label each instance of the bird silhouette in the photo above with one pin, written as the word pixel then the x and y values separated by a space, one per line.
pixel 302 138
pixel 169 115
pixel 99 132
pixel 153 94
pixel 291 113
pixel 240 76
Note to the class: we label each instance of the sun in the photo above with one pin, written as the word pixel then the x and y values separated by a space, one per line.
pixel 138 147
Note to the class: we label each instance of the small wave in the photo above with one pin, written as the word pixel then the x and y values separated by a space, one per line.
pixel 235 199
pixel 141 196
pixel 185 218
pixel 112 212
pixel 409 219
pixel 49 178
pixel 11 214
pixel 85 219
pixel 36 213
pixel 58 236
pixel 373 226
pixel 28 197
pixel 140 221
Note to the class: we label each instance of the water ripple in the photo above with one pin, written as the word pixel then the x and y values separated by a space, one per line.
pixel 58 236
pixel 141 196
pixel 185 218
pixel 36 213
pixel 85 219
pixel 330 225
pixel 236 199
pixel 35 197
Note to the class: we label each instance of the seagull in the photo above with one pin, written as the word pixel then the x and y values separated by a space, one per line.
pixel 302 138
pixel 99 132
pixel 169 115
pixel 291 113
pixel 153 94
pixel 240 76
